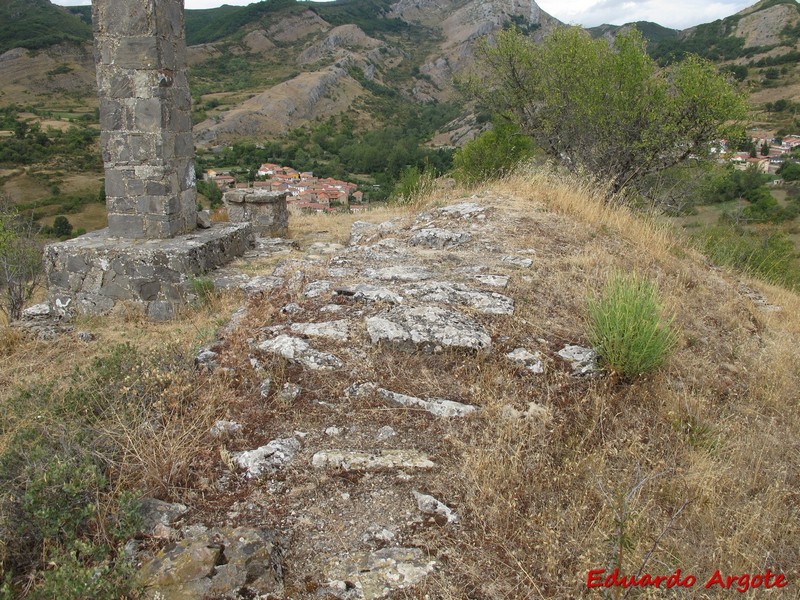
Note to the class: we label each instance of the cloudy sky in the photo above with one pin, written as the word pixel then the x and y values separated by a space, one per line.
pixel 677 14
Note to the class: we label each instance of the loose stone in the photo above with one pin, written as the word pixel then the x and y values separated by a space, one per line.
pixel 366 461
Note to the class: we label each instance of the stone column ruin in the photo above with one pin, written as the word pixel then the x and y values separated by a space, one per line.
pixel 151 249
pixel 145 117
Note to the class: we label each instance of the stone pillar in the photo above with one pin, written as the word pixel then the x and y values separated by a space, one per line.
pixel 145 117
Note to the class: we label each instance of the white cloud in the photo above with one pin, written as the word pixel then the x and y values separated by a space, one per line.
pixel 678 14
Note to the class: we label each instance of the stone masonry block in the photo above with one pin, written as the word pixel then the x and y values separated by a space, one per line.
pixel 121 205
pixel 116 182
pixel 149 115
pixel 169 18
pixel 133 17
pixel 137 53
pixel 126 226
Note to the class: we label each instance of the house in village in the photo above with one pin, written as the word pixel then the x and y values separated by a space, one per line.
pixel 306 191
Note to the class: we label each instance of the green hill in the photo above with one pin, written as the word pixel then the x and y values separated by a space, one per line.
pixel 652 32
pixel 36 24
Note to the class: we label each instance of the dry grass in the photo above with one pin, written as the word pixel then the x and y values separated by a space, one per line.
pixel 696 467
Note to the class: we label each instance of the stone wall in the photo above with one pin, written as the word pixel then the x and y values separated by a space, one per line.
pixel 265 210
pixel 92 273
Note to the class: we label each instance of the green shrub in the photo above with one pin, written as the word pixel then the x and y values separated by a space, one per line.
pixel 413 185
pixel 203 288
pixel 768 255
pixel 625 326
pixel 492 155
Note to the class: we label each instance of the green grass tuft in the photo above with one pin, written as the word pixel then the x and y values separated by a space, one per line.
pixel 625 326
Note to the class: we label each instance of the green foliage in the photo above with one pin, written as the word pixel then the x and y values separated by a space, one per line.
pixel 35 24
pixel 62 228
pixel 413 185
pixel 211 25
pixel 64 513
pixel 210 190
pixel 625 326
pixel 203 288
pixel 20 260
pixel 731 184
pixel 767 254
pixel 738 72
pixel 75 148
pixel 782 59
pixel 790 171
pixel 369 15
pixel 491 155
pixel 338 148
pixel 607 110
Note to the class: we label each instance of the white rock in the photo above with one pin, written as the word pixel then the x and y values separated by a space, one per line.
pixel 399 273
pixel 375 575
pixel 297 350
pixel 262 283
pixel 427 327
pixel 530 360
pixel 583 360
pixel 385 433
pixel 275 455
pixel 436 406
pixel 371 293
pixel 366 461
pixel 442 292
pixel 332 308
pixel 37 311
pixel 333 330
pixel 428 505
pixel 465 210
pixel 433 237
pixel 224 429
pixel 315 289
pixel 292 309
pixel 518 261
pixel 325 248
pixel 500 281
pixel 289 392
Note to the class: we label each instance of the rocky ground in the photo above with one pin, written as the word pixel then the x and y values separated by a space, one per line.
pixel 406 408
pixel 351 365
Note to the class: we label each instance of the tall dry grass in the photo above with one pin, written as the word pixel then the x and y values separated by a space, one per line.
pixel 696 467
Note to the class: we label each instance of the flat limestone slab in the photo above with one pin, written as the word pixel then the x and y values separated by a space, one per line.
pixel 90 274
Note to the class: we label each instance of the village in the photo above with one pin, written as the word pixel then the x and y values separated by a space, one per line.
pixel 769 155
pixel 305 191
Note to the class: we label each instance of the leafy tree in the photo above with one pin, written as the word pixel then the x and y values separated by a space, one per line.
pixel 20 260
pixel 492 154
pixel 608 110
pixel 62 228
pixel 790 171
pixel 765 149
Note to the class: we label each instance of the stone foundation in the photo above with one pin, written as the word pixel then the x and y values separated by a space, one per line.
pixel 90 274
pixel 266 210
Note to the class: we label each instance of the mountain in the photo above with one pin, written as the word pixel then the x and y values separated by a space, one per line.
pixel 652 32
pixel 327 58
pixel 261 70
pixel 35 24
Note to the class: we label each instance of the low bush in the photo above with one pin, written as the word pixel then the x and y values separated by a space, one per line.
pixel 625 326
pixel 75 456
pixel 768 255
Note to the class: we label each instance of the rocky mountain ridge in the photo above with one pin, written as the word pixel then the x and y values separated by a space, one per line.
pixel 279 65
